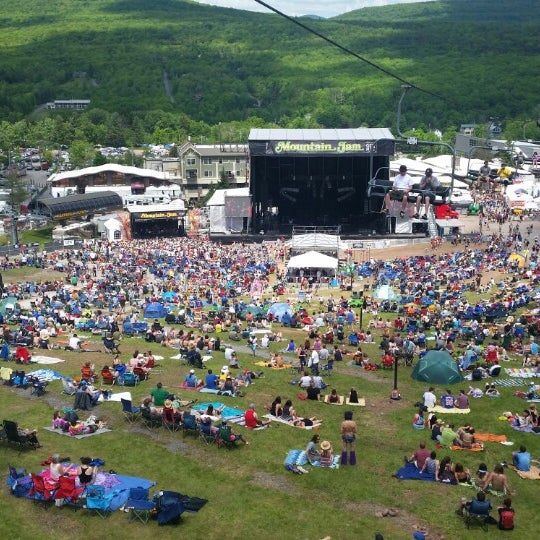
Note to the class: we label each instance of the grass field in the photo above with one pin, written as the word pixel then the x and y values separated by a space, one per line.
pixel 250 493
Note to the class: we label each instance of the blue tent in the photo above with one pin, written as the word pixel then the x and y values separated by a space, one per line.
pixel 279 309
pixel 155 310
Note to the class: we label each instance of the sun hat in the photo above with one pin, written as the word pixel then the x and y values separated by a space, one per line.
pixel 167 403
pixel 192 371
pixel 326 445
pixel 439 421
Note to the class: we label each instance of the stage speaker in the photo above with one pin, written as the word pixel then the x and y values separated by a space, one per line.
pixel 419 228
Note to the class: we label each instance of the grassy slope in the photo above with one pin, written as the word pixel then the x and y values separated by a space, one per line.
pixel 249 491
pixel 220 61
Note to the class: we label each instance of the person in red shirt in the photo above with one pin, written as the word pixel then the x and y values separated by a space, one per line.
pixel 419 457
pixel 252 419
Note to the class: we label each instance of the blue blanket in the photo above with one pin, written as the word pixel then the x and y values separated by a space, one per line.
pixel 410 472
pixel 298 457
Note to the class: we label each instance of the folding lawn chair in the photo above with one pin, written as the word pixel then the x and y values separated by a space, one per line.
pixel 131 413
pixel 68 493
pixel 42 492
pixel 97 501
pixel 205 433
pixel 23 440
pixel 150 420
pixel 67 387
pixel 170 421
pixel 190 426
pixel 130 379
pixel 138 505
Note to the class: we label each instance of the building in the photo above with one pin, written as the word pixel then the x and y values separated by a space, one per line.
pixel 74 104
pixel 201 166
pixel 134 185
pixel 467 129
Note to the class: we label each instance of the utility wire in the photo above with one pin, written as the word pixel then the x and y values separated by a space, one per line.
pixel 349 51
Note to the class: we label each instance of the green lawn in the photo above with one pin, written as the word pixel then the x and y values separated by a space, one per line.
pixel 249 491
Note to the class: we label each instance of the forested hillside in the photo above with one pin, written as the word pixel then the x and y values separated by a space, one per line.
pixel 221 65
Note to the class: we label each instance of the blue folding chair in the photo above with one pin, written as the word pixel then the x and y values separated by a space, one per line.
pixel 97 501
pixel 138 505
pixel 131 413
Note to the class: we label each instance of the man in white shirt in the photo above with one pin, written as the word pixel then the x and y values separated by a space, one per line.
pixel 305 381
pixel 400 189
pixel 313 362
pixel 74 343
pixel 430 399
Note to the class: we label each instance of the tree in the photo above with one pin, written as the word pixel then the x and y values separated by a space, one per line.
pixel 16 186
pixel 82 154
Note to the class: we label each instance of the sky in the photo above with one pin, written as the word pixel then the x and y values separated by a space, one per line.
pixel 323 8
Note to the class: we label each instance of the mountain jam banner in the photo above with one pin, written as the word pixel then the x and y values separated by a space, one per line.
pixel 345 147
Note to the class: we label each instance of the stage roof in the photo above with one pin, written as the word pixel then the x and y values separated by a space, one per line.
pixel 358 134
pixel 108 167
pixel 78 205
pixel 321 142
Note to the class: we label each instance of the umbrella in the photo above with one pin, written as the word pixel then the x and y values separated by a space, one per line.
pixel 279 309
pixel 169 296
pixel 385 292
pixel 520 259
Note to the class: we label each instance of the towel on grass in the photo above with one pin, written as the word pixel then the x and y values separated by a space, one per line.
pixel 525 429
pixel 267 364
pixel 38 359
pixel 517 381
pixel 524 373
pixel 298 458
pixel 443 410
pixel 476 447
pixel 490 437
pixel 117 397
pixel 361 402
pixel 533 474
pixel 184 386
pixel 282 421
pixel 80 436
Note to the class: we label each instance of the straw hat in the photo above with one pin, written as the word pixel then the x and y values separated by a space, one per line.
pixel 167 403
pixel 326 445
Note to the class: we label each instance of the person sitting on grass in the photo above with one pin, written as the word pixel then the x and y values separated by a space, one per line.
pixel 419 419
pixel 419 456
pixel 276 408
pixel 461 474
pixel 252 419
pixel 448 436
pixel 159 395
pixel 353 396
pixel 312 454
pixel 333 397
pixel 522 459
pixel 327 454
pixel 465 437
pixel 312 392
pixel 496 480
pixel 431 466
pixel 506 515
pixel 191 379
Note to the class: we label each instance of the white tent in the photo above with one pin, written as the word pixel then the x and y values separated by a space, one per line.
pixel 319 241
pixel 313 259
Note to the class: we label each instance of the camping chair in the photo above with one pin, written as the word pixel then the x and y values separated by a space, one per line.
pixel 97 501
pixel 150 420
pixel 205 433
pixel 329 367
pixel 107 377
pixel 140 374
pixel 67 387
pixel 138 505
pixel 170 421
pixel 353 340
pixel 224 437
pixel 131 413
pixel 130 379
pixel 23 440
pixel 68 492
pixel 470 519
pixel 190 426
pixel 41 492
pixel 37 387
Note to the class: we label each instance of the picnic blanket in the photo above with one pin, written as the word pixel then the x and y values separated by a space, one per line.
pixel 299 458
pixel 45 375
pixel 525 429
pixel 282 421
pixel 411 472
pixel 267 364
pixel 184 386
pixel 443 410
pixel 116 397
pixel 80 436
pixel 524 373
pixel 517 381
pixel 490 437
pixel 476 447
pixel 533 474
pixel 361 402
pixel 227 412
pixel 38 359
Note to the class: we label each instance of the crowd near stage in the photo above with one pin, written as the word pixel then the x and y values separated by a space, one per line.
pixel 317 177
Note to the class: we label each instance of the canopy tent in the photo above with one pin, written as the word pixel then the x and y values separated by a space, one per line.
pixel 437 367
pixel 319 241
pixel 279 309
pixel 227 210
pixel 313 259
pixel 155 310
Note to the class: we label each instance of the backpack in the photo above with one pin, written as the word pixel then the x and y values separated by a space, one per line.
pixel 506 520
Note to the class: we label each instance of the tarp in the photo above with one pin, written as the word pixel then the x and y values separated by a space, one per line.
pixel 437 367
pixel 312 259
pixel 155 310
pixel 279 309
pixel 385 292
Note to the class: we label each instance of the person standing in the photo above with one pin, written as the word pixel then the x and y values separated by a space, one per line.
pixel 428 186
pixel 314 362
pixel 348 439
pixel 400 190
